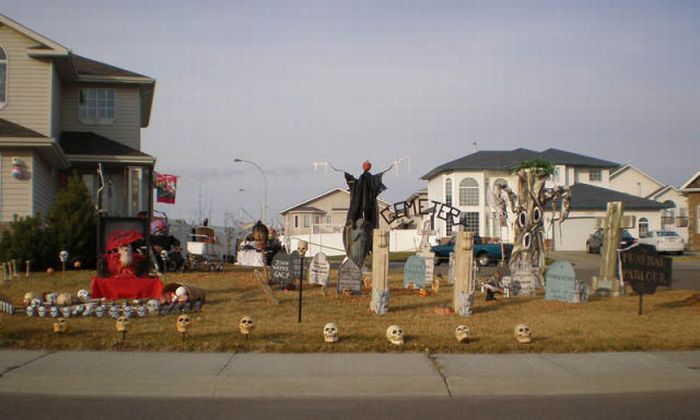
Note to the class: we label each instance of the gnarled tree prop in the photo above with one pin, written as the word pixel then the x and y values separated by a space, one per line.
pixel 527 261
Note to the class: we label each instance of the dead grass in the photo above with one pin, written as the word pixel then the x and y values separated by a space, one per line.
pixel 670 321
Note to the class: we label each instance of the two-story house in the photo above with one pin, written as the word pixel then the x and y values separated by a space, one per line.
pixel 467 184
pixel 61 112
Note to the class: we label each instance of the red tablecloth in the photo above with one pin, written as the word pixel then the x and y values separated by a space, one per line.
pixel 126 287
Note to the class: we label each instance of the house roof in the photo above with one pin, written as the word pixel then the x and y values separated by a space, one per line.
pixel 91 144
pixel 505 160
pixel 590 197
pixel 309 209
pixel 303 204
pixel 630 166
pixel 687 186
pixel 88 67
pixel 10 129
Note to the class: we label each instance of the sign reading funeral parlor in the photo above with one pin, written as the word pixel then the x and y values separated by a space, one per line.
pixel 349 278
pixel 644 270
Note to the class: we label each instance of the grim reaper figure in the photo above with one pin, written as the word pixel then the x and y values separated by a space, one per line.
pixel 527 261
pixel 363 213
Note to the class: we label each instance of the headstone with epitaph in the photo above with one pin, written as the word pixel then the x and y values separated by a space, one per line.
pixel 562 285
pixel 319 270
pixel 281 270
pixel 414 272
pixel 429 259
pixel 451 269
pixel 349 277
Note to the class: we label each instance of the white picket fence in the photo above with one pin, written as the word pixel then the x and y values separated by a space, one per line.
pixel 332 243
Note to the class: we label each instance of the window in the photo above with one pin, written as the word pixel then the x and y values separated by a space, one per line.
pixel 96 106
pixel 595 175
pixel 643 227
pixel 669 215
pixel 448 201
pixel 307 220
pixel 296 220
pixel 682 219
pixel 556 175
pixel 317 220
pixel 470 221
pixel 3 77
pixel 329 220
pixel 469 192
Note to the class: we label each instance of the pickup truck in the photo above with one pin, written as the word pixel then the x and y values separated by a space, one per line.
pixel 483 253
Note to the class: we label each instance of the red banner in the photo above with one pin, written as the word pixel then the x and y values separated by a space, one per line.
pixel 166 187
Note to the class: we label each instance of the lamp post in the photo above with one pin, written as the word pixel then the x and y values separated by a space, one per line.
pixel 256 197
pixel 264 208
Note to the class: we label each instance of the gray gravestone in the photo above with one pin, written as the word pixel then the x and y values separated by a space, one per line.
pixel 349 277
pixel 281 270
pixel 319 270
pixel 429 259
pixel 414 272
pixel 295 265
pixel 451 269
pixel 562 285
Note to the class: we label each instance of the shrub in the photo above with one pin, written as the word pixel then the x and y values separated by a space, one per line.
pixel 27 239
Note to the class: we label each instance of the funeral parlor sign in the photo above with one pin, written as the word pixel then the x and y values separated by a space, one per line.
pixel 644 269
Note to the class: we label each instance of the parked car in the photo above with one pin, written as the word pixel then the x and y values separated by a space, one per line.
pixel 595 242
pixel 483 253
pixel 664 241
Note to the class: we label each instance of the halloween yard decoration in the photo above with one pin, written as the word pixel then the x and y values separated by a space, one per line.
pixel 330 332
pixel 523 334
pixel 246 326
pixel 379 303
pixel 176 297
pixel 59 326
pixel 527 261
pixel 122 326
pixel 395 335
pixel 462 333
pixel 182 325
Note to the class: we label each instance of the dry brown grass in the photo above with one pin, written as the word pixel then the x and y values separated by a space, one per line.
pixel 671 321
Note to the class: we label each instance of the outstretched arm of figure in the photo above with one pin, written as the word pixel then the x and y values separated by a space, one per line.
pixel 389 168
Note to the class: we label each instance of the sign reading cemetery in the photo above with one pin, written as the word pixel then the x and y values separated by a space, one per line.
pixel 419 207
pixel 319 270
pixel 281 269
pixel 414 272
pixel 349 277
pixel 562 285
pixel 645 269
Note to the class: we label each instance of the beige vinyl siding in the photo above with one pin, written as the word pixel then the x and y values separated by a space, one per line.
pixel 16 194
pixel 28 84
pixel 45 186
pixel 125 128
pixel 55 105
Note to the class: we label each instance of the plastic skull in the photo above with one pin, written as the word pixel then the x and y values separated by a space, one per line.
pixel 330 332
pixel 59 326
pixel 141 311
pixel 246 325
pixel 302 247
pixel 523 334
pixel 64 299
pixel 63 256
pixel 122 324
pixel 28 298
pixel 114 311
pixel 183 323
pixel 29 310
pixel 65 311
pixel 53 312
pixel 395 335
pixel 127 310
pixel 153 306
pixel 100 311
pixel 462 333
pixel 83 295
pixel 50 298
pixel 41 311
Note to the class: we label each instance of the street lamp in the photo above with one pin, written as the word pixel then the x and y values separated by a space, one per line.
pixel 256 197
pixel 264 212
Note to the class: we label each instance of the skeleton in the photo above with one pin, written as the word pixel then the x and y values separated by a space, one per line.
pixel 127 310
pixel 330 333
pixel 78 309
pixel 89 309
pixel 246 325
pixel 527 262
pixel 395 335
pixel 462 333
pixel 59 326
pixel 523 334
pixel 182 324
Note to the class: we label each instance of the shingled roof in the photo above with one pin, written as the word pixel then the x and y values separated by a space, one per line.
pixel 590 197
pixel 10 129
pixel 87 67
pixel 89 143
pixel 505 160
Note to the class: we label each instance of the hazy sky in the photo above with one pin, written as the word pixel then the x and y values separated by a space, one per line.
pixel 286 83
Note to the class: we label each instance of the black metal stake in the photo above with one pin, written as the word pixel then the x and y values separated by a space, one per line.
pixel 301 284
pixel 124 335
pixel 641 296
pixel 183 338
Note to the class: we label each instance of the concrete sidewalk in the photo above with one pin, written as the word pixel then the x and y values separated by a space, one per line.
pixel 410 375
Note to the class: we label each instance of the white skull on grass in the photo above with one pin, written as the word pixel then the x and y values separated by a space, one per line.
pixel 183 323
pixel 395 335
pixel 330 332
pixel 462 333
pixel 246 325
pixel 59 326
pixel 523 334
pixel 122 324
pixel 63 256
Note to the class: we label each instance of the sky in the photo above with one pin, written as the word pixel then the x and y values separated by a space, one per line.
pixel 288 83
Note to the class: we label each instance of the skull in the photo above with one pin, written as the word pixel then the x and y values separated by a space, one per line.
pixel 153 306
pixel 127 310
pixel 100 311
pixel 50 298
pixel 29 311
pixel 302 247
pixel 246 325
pixel 395 335
pixel 122 324
pixel 28 298
pixel 114 311
pixel 53 312
pixel 141 311
pixel 59 326
pixel 63 256
pixel 183 323
pixel 523 334
pixel 125 256
pixel 462 333
pixel 64 299
pixel 330 332
pixel 65 311
pixel 83 295
pixel 41 311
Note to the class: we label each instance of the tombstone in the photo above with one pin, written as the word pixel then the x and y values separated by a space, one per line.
pixel 379 303
pixel 562 285
pixel 295 265
pixel 319 270
pixel 644 270
pixel 464 287
pixel 451 269
pixel 607 283
pixel 414 272
pixel 429 259
pixel 281 270
pixel 349 277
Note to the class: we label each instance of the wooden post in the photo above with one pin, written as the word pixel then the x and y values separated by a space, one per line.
pixel 608 283
pixel 464 286
pixel 379 303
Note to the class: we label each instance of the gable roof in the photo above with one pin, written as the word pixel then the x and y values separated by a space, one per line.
pixel 47 47
pixel 88 67
pixel 590 197
pixel 10 129
pixel 89 144
pixel 687 186
pixel 629 166
pixel 304 204
pixel 503 160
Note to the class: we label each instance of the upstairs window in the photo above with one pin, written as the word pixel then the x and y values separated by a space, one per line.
pixel 595 175
pixel 469 192
pixel 96 106
pixel 3 77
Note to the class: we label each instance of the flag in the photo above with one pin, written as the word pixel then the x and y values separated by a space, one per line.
pixel 166 187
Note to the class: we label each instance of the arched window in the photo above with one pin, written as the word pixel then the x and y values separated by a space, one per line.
pixel 3 77
pixel 448 201
pixel 669 214
pixel 643 226
pixel 469 192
